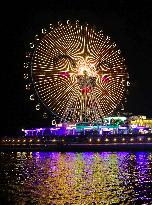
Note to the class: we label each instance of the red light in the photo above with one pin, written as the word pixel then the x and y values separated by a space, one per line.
pixel 65 74
pixel 85 90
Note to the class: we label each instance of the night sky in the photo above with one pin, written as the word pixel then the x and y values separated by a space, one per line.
pixel 130 26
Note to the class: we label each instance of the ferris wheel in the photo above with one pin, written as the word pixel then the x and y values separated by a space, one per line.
pixel 77 72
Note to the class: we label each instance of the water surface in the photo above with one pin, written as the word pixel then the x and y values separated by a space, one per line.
pixel 86 178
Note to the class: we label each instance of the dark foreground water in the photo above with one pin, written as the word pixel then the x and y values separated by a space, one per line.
pixel 86 178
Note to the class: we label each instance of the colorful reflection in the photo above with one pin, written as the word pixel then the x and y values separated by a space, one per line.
pixel 76 178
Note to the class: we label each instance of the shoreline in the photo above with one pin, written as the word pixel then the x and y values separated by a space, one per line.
pixel 77 147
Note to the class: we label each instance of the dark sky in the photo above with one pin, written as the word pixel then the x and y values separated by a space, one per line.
pixel 130 26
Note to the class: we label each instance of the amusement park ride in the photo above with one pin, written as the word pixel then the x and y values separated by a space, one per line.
pixel 78 74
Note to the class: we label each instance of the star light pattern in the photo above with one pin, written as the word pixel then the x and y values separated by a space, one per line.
pixel 77 71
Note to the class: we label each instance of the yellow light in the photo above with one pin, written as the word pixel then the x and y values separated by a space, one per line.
pixel 114 139
pixel 90 140
pixel 107 140
pixel 123 139
pixel 131 139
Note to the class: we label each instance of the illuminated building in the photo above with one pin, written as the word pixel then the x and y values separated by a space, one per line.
pixel 140 124
pixel 141 121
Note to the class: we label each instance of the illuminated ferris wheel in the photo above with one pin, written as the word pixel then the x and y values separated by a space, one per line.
pixel 77 72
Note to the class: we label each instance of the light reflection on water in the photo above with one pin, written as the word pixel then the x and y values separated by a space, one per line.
pixel 76 178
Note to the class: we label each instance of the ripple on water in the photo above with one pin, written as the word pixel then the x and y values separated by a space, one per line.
pixel 76 178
